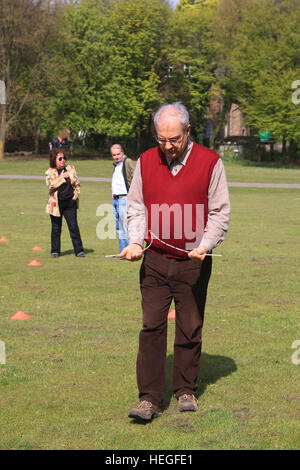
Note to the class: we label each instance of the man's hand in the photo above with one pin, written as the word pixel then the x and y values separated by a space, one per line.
pixel 132 252
pixel 198 253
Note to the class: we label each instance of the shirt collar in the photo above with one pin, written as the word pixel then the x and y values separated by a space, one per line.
pixel 185 155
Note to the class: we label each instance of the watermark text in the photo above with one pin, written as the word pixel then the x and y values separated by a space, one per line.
pixel 296 354
pixel 296 94
pixel 166 222
pixel 2 353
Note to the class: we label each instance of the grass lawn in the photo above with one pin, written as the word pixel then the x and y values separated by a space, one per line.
pixel 37 167
pixel 69 377
pixel 236 171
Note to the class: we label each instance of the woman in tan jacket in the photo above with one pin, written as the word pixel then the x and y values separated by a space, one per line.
pixel 64 189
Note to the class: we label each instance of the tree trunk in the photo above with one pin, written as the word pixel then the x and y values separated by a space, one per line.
pixel 292 149
pixel 36 139
pixel 260 152
pixel 2 130
pixel 271 151
pixel 220 121
pixel 283 146
pixel 138 141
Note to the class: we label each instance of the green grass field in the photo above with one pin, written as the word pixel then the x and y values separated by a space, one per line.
pixel 69 377
pixel 236 172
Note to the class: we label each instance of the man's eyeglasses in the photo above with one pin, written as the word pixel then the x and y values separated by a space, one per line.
pixel 172 140
pixel 61 158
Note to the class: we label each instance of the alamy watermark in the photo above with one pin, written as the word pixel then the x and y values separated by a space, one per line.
pixel 296 94
pixel 187 222
pixel 106 227
pixel 296 354
pixel 167 222
pixel 2 353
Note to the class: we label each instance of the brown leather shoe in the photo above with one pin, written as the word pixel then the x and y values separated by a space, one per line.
pixel 187 403
pixel 145 411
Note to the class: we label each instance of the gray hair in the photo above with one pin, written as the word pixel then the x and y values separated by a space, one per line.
pixel 177 109
pixel 116 145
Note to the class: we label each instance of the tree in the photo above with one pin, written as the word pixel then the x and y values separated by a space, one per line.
pixel 274 65
pixel 190 57
pixel 24 30
pixel 259 62
pixel 117 47
pixel 55 88
pixel 86 21
pixel 135 36
pixel 188 3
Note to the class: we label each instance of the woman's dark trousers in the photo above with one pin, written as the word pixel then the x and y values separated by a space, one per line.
pixel 68 209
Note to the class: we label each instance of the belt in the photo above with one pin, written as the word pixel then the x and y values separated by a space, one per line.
pixel 115 196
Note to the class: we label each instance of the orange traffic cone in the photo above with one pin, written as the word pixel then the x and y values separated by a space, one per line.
pixel 37 248
pixel 3 239
pixel 20 316
pixel 34 263
pixel 172 314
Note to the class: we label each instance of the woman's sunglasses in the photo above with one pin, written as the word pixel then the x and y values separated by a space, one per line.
pixel 61 158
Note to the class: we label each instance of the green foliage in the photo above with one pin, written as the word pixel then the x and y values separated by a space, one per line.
pixel 188 3
pixel 24 33
pixel 260 63
pixel 86 21
pixel 55 90
pixel 103 66
pixel 117 46
pixel 190 55
pixel 130 84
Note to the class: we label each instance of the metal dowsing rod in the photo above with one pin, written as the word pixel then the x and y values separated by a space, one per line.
pixel 167 244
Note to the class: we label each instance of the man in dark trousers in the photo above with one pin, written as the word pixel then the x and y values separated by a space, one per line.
pixel 179 203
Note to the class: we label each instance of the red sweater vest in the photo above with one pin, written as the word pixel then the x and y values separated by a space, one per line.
pixel 176 206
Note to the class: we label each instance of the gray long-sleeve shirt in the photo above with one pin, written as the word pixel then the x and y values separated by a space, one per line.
pixel 218 204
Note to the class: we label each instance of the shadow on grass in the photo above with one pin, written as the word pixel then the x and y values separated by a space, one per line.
pixel 71 252
pixel 212 368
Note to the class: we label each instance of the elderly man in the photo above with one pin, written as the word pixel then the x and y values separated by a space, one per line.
pixel 121 179
pixel 179 203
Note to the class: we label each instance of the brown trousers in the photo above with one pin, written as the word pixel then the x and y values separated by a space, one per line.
pixel 162 280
